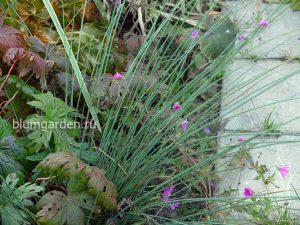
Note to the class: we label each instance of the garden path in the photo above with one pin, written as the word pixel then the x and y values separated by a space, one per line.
pixel 262 80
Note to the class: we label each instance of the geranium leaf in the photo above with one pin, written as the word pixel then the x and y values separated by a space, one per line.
pixel 66 164
pixel 56 208
pixel 100 186
pixel 10 38
pixel 27 62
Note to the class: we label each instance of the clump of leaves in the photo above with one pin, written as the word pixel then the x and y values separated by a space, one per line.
pixel 14 200
pixel 65 164
pixel 10 151
pixel 51 125
pixel 27 90
pixel 13 48
pixel 57 208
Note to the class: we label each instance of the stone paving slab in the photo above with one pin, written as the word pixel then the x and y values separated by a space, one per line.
pixel 251 91
pixel 249 95
pixel 280 39
pixel 279 151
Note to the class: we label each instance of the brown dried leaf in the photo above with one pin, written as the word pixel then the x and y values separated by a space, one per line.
pixel 10 38
pixel 33 62
pixel 91 12
pixel 62 163
pixel 27 62
pixel 99 185
pixel 13 54
pixel 68 165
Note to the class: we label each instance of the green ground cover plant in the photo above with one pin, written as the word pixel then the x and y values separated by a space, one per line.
pixel 142 82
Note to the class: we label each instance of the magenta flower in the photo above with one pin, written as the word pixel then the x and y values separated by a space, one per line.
pixel 174 205
pixel 167 193
pixel 176 106
pixel 207 130
pixel 242 37
pixel 118 76
pixel 195 34
pixel 284 170
pixel 263 23
pixel 248 192
pixel 117 2
pixel 242 139
pixel 184 125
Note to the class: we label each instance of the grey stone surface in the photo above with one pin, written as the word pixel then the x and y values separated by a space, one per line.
pixel 270 151
pixel 278 40
pixel 250 95
pixel 251 91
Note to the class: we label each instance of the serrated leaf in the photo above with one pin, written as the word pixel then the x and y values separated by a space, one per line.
pixel 10 38
pixel 5 128
pixel 66 164
pixel 56 208
pixel 14 199
pixel 62 163
pixel 37 157
pixel 103 188
pixel 27 62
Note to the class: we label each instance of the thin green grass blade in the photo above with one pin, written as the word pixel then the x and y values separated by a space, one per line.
pixel 73 62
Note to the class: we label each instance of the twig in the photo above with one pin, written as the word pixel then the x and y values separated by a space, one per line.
pixel 185 20
pixel 7 76
pixel 141 22
pixel 7 102
pixel 10 69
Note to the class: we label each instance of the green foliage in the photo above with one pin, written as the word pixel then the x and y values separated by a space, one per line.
pixel 269 124
pixel 26 89
pixel 65 164
pixel 53 124
pixel 10 151
pixel 5 128
pixel 15 199
pixel 219 37
pixel 56 208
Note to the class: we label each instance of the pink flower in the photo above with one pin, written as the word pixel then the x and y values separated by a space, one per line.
pixel 117 2
pixel 184 125
pixel 242 139
pixel 174 205
pixel 242 37
pixel 176 106
pixel 207 130
pixel 118 76
pixel 167 192
pixel 248 192
pixel 263 23
pixel 195 34
pixel 284 170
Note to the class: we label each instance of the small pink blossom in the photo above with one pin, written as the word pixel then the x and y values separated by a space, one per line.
pixel 242 139
pixel 176 106
pixel 207 130
pixel 174 205
pixel 195 34
pixel 263 23
pixel 118 76
pixel 284 170
pixel 184 125
pixel 167 193
pixel 117 2
pixel 248 192
pixel 242 37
